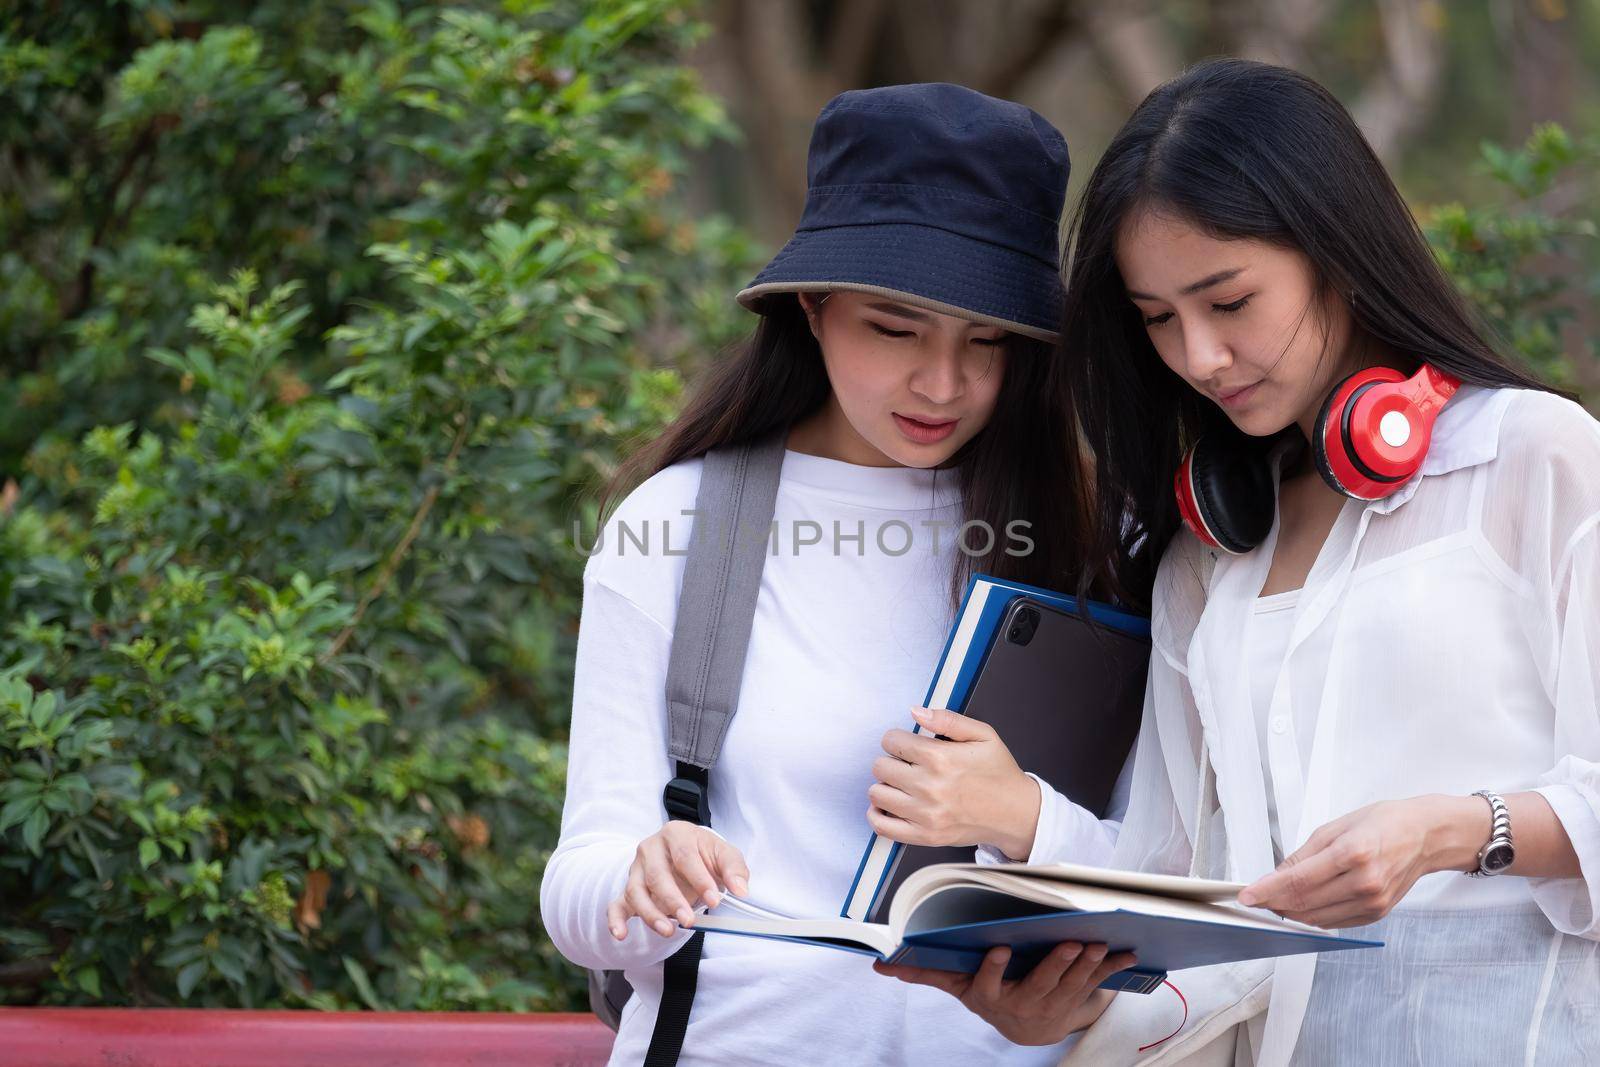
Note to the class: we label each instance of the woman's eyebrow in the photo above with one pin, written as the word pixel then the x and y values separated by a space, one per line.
pixel 902 310
pixel 1204 283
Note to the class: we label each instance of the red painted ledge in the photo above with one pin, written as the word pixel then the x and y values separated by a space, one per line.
pixel 183 1037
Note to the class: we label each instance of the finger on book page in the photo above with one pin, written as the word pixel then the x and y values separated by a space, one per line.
pixel 952 726
pixel 689 863
pixel 1295 884
pixel 1346 896
pixel 730 867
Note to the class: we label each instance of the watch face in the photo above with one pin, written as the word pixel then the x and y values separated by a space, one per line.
pixel 1498 858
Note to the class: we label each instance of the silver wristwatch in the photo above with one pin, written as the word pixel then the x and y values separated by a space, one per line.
pixel 1498 854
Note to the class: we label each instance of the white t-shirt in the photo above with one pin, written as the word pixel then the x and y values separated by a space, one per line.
pixel 845 637
pixel 1270 620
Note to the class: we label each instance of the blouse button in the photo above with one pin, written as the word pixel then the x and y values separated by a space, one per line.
pixel 1279 724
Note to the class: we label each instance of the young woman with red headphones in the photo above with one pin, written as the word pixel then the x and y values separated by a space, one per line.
pixel 1375 693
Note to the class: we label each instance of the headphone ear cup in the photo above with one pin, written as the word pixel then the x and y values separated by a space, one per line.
pixel 1232 494
pixel 1346 447
pixel 1321 444
pixel 1188 508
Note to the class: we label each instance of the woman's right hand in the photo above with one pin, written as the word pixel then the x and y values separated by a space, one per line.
pixel 1060 996
pixel 676 864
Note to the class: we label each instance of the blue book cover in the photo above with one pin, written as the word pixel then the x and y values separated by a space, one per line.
pixel 1161 943
pixel 983 607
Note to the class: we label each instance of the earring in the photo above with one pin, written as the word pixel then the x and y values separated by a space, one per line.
pixel 813 311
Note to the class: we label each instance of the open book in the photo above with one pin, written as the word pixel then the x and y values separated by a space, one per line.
pixel 949 915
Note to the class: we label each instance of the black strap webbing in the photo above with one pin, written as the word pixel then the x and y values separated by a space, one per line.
pixel 685 799
pixel 679 976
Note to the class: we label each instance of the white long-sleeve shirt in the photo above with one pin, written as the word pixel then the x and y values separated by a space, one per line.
pixel 842 645
pixel 1447 639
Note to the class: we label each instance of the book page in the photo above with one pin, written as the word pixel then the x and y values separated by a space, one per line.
pixel 1162 885
pixel 872 936
pixel 959 904
pixel 1165 885
pixel 1097 898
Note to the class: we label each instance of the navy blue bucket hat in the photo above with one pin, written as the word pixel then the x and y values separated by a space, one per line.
pixel 935 195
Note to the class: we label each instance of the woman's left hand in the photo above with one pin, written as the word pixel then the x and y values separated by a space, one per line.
pixel 967 790
pixel 1354 870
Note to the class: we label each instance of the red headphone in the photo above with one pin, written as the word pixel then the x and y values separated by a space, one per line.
pixel 1372 435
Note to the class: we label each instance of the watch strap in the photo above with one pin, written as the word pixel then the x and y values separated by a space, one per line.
pixel 1499 832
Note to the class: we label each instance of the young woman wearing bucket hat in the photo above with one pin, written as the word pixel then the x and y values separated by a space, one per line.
pixel 904 351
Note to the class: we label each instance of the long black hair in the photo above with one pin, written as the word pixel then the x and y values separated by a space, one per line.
pixel 1025 464
pixel 1239 150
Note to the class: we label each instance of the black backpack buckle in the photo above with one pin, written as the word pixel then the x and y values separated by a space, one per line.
pixel 685 798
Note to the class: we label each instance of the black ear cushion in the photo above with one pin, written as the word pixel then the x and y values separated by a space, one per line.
pixel 1319 445
pixel 1233 492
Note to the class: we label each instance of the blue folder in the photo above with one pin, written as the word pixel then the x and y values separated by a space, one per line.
pixel 989 597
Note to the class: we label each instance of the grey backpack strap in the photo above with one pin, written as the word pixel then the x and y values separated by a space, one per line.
pixel 716 604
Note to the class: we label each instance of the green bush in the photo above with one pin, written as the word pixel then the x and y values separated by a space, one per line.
pixel 1504 257
pixel 288 588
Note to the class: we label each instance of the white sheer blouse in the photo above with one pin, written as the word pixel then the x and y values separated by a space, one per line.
pixel 1447 639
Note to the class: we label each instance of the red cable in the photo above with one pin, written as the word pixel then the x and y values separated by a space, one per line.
pixel 1174 1033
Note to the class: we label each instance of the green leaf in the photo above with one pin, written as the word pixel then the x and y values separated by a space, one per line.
pixel 358 976
pixel 355 373
pixel 44 706
pixel 417 331
pixel 190 976
pixel 33 830
pixel 30 770
pixel 74 782
pixel 179 955
pixel 169 358
pixel 229 967
pixel 149 852
pixel 17 810
pixel 88 980
pixel 204 717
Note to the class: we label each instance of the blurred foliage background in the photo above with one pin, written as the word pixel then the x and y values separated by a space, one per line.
pixel 319 323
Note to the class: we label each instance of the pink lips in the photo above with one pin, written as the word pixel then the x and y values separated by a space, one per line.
pixel 1239 397
pixel 924 433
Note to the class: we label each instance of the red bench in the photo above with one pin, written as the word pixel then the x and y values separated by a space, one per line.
pixel 183 1037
